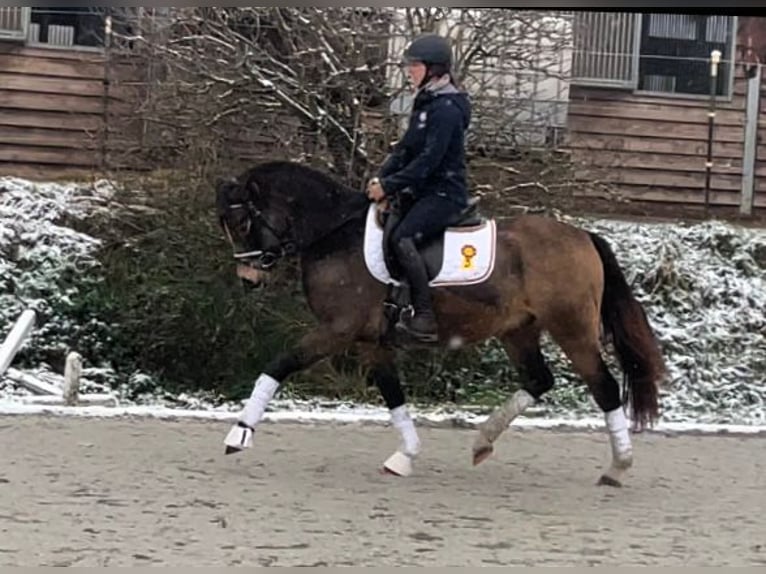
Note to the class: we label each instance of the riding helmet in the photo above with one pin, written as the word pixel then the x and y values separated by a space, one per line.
pixel 429 49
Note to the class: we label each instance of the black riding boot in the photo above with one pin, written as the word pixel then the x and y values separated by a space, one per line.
pixel 423 323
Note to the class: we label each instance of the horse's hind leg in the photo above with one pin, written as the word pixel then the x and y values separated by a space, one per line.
pixel 384 374
pixel 584 351
pixel 523 349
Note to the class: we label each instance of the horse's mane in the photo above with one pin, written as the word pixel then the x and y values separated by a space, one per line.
pixel 314 189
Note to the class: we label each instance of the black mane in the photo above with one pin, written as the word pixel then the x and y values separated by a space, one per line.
pixel 311 188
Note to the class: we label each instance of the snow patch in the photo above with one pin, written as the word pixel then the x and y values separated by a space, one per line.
pixel 45 264
pixel 363 415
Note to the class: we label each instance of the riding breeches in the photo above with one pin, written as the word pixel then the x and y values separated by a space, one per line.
pixel 427 218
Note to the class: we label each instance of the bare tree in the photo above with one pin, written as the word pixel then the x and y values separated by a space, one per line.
pixel 221 79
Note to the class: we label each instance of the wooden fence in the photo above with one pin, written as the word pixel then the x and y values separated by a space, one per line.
pixel 56 110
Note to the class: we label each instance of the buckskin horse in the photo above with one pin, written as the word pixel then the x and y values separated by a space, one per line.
pixel 512 279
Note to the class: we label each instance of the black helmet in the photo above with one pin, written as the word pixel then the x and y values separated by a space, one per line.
pixel 429 49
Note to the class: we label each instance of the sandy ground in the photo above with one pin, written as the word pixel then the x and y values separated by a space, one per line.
pixel 90 492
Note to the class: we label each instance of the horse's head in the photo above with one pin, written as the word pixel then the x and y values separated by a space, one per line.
pixel 259 230
pixel 279 208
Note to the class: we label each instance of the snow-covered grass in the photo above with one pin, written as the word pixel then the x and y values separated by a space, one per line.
pixel 704 287
pixel 46 265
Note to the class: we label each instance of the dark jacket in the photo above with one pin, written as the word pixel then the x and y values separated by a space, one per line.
pixel 430 157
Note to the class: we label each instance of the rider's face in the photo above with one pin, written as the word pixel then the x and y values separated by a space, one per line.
pixel 416 71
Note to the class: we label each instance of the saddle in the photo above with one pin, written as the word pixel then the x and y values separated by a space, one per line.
pixel 432 251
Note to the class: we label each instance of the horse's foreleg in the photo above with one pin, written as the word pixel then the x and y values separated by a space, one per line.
pixel 384 373
pixel 312 348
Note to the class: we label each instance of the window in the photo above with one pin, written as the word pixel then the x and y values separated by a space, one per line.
pixel 657 53
pixel 675 53
pixel 61 26
pixel 67 27
pixel 13 22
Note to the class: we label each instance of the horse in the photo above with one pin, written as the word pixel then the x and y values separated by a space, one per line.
pixel 521 277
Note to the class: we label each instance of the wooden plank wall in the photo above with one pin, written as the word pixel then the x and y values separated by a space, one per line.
pixel 759 194
pixel 52 110
pixel 654 148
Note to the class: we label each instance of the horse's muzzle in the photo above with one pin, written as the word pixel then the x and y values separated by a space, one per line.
pixel 250 275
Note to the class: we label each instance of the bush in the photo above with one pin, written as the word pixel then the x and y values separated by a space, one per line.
pixel 48 267
pixel 169 286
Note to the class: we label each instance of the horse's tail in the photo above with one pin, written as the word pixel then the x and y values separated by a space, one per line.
pixel 636 347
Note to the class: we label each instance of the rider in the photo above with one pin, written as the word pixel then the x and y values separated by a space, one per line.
pixel 430 161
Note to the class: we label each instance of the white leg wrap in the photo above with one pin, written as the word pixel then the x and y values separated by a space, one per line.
pixel 619 437
pixel 402 421
pixel 520 401
pixel 263 391
pixel 400 463
pixel 497 422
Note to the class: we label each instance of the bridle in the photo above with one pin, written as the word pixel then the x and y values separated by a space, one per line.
pixel 263 258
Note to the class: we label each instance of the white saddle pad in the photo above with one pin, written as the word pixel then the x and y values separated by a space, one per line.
pixel 469 253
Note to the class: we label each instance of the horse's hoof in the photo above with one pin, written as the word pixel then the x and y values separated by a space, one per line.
pixel 239 438
pixel 607 480
pixel 398 464
pixel 482 454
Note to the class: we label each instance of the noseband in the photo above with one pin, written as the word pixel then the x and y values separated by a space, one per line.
pixel 264 259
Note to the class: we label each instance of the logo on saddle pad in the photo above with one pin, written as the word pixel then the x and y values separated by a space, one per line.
pixel 468 252
pixel 463 256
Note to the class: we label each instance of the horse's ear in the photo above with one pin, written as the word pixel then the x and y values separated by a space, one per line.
pixel 223 183
pixel 252 189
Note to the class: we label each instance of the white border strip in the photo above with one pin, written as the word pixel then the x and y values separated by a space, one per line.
pixel 365 416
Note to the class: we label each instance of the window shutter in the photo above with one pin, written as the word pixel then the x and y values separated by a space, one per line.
pixel 14 21
pixel 605 49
